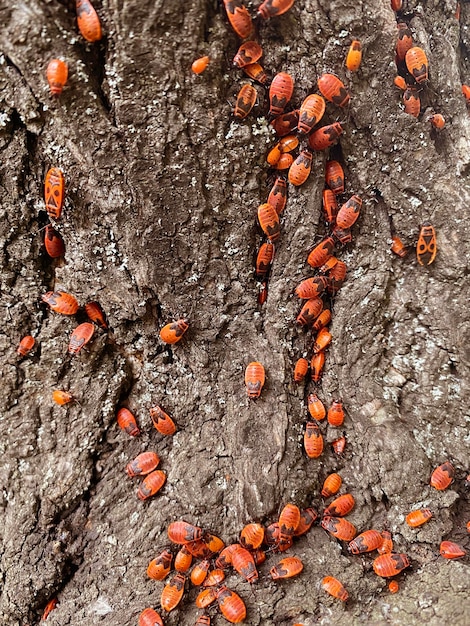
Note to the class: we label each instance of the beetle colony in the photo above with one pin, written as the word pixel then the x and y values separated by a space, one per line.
pixel 199 558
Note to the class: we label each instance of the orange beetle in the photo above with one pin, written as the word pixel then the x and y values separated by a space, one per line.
pixel 349 212
pixel 269 221
pixel 271 534
pixel 328 265
pixel 311 111
pixel 151 484
pixel 330 206
pixel 254 379
pixel 388 565
pixel 53 242
pixel 173 592
pixel 343 235
pixel 256 72
pixel 404 41
pixel 442 476
pixel 322 320
pixel 246 100
pixel 334 177
pixel 331 486
pixel 322 341
pixel 61 302
pixel 182 532
pixel 206 597
pixel 280 92
pixel 398 247
pixel 311 287
pixel 332 586
pixel 199 572
pixel 50 606
pixel 339 527
pixel 339 445
pixel 341 506
pixel 244 563
pixel 284 162
pixel 307 517
pixel 316 366
pixel 289 519
pixel 396 5
pixel 199 549
pixel 183 559
pixel 400 82
pixel 367 541
pixel 200 65
pixel 313 441
pixel 354 56
pixel 274 155
pixel 387 543
pixel 149 617
pixel 264 259
pixel 96 314
pixel 287 568
pixel 322 252
pixel 437 120
pixel 160 567
pixel 56 73
pixel 248 53
pixel 333 89
pixel 272 8
pixel 336 277
pixel 417 64
pixel 214 578
pixel 316 407
pixel 251 536
pixel 231 605
pixel 300 169
pixel 143 464
pixel 127 422
pixel 286 123
pixel 162 421
pixel 412 101
pixel 466 93
pixel 88 21
pixel 451 550
pixel 288 143
pixel 239 18
pixel 418 517
pixel 300 370
pixel 263 293
pixel 393 586
pixel 336 413
pixel 325 137
pixel 212 543
pixel 61 397
pixel 224 560
pixel 278 195
pixel 172 333
pixel 310 311
pixel 80 337
pixel 54 192
pixel 26 345
pixel 426 247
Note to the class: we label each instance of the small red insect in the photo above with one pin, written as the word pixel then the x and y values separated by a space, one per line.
pixel 61 302
pixel 173 592
pixel 62 397
pixel 387 545
pixel 311 287
pixel 393 586
pixel 325 137
pixel 271 534
pixel 280 92
pixel 307 517
pixel 418 517
pixel 143 464
pixel 272 8
pixel 437 120
pixel 224 560
pixel 339 527
pixel 426 247
pixel 274 155
pixel 248 53
pixel 417 64
pixel 285 161
pixel 231 605
pixel 56 73
pixel 172 333
pixel 322 252
pixel 149 617
pixel 334 177
pixel 330 206
pixel 349 212
pixel 160 567
pixel 183 560
pixel 254 379
pixel 331 486
pixel 316 407
pixel 50 606
pixel 404 41
pixel 442 476
pixel 256 72
pixel 151 484
pixel 311 111
pixel 215 577
pixel 181 532
pixel 300 370
pixel 354 56
pixel 322 341
pixel 300 169
pixel 264 259
pixel 199 572
pixel 200 65
pixel 336 277
pixel 213 543
pixel 332 586
pixel 388 565
pixel 251 536
pixel 341 506
pixel 96 314
pixel 316 366
pixel 26 345
pixel 396 5
pixel 412 101
pixel 289 519
pixel 88 21
pixel 244 563
pixel 333 89
pixel 367 541
pixel 54 192
pixel 162 421
pixel 451 550
pixel 322 320
pixel 398 247
pixel 127 422
pixel 206 597
pixel 263 293
pixel 288 143
pixel 239 18
pixel 339 445
pixel 53 242
pixel 336 413
pixel 287 568
pixel 286 123
pixel 80 337
pixel 310 311
pixel 313 441
pixel 269 221
pixel 246 100
pixel 400 82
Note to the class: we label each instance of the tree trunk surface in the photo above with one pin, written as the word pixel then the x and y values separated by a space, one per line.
pixel 163 184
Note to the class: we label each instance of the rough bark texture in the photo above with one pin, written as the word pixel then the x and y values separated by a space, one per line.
pixel 159 222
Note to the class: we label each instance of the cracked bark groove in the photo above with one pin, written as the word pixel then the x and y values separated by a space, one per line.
pixel 159 223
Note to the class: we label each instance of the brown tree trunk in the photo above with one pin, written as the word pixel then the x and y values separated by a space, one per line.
pixel 160 223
